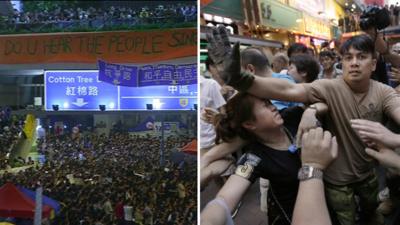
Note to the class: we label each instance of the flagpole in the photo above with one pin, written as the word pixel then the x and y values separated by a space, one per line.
pixel 162 142
pixel 38 206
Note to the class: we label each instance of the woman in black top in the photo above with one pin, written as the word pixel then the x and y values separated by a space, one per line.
pixel 271 154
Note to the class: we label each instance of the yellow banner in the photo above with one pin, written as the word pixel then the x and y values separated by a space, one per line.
pixel 30 126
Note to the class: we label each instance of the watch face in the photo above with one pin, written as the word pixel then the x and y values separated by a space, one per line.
pixel 305 172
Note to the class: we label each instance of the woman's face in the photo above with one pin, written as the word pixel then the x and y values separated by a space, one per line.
pixel 266 115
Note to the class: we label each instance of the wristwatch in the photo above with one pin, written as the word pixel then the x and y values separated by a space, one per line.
pixel 307 172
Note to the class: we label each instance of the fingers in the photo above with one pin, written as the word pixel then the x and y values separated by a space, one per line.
pixel 216 35
pixel 209 110
pixel 334 148
pixel 364 124
pixel 361 122
pixel 374 154
pixel 211 40
pixel 224 37
pixel 369 135
pixel 318 134
pixel 236 51
pixel 304 137
pixel 395 70
pixel 327 137
pixel 299 135
pixel 395 74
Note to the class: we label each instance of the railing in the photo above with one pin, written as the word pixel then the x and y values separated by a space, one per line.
pixel 100 24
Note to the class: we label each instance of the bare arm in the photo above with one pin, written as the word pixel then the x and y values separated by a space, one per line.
pixel 221 151
pixel 279 89
pixel 309 119
pixel 214 169
pixel 316 213
pixel 382 47
pixel 231 193
pixel 370 131
pixel 230 71
pixel 319 149
pixel 394 59
pixel 387 157
pixel 395 115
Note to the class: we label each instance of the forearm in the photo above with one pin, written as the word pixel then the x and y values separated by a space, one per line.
pixel 221 150
pixel 219 210
pixel 310 208
pixel 397 89
pixel 213 214
pixel 315 110
pixel 279 89
pixel 214 169
pixel 205 177
pixel 394 59
pixel 322 108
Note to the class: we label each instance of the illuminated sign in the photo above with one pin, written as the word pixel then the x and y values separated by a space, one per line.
pixel 81 90
pixel 316 27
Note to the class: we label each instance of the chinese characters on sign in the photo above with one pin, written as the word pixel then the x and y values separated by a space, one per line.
pixel 81 90
pixel 148 75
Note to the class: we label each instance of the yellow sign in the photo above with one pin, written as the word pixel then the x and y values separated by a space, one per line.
pixel 183 102
pixel 316 27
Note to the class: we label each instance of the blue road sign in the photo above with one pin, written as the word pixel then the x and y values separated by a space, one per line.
pixel 81 90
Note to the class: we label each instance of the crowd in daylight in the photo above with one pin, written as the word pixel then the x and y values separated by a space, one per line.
pixel 96 179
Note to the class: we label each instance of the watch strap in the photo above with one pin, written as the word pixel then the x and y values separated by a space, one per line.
pixel 308 172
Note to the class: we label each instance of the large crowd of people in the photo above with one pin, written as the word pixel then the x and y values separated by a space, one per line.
pixel 95 177
pixel 97 17
pixel 10 129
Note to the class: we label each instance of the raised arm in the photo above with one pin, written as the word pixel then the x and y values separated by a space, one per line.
pixel 376 132
pixel 309 120
pixel 213 170
pixel 387 157
pixel 229 66
pixel 218 211
pixel 319 149
pixel 275 88
pixel 221 151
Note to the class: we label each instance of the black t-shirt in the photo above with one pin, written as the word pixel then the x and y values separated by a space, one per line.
pixel 280 167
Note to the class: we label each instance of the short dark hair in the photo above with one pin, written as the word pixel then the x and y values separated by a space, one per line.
pixel 360 42
pixel 238 110
pixel 305 63
pixel 296 48
pixel 255 57
pixel 329 54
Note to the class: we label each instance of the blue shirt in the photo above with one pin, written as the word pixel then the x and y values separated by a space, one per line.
pixel 280 104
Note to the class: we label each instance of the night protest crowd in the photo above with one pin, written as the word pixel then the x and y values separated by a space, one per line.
pixel 187 11
pixel 95 177
pixel 10 128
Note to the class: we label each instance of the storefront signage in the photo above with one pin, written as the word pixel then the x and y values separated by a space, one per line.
pixel 277 15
